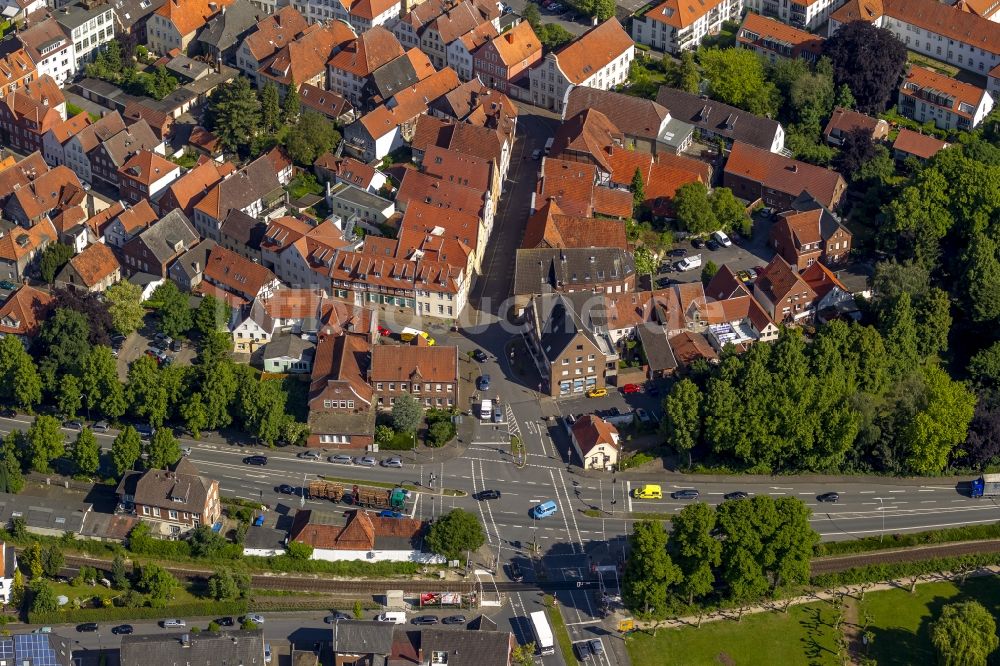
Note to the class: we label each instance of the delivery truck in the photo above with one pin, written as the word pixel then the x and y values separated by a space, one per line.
pixel 988 485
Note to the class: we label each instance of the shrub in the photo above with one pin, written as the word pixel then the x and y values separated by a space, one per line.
pixel 193 609
pixel 299 551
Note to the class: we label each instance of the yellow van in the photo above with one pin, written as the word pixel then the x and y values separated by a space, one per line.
pixel 648 491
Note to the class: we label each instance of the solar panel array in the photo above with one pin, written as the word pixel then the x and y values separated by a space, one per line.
pixel 35 650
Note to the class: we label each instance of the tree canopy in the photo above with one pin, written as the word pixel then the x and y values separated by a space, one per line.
pixel 455 533
pixel 869 61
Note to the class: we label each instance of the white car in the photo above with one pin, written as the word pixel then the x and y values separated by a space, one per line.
pixel 173 624
pixel 722 238
pixel 256 618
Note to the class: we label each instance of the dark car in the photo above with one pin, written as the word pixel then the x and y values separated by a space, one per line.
pixel 227 621
pixel 737 495
pixel 829 497
pixel 516 574
pixel 582 650
pixel 122 629
pixel 255 460
pixel 8 413
pixel 687 494
pixel 698 243
pixel 286 489
pixel 87 626
pixel 596 646
pixel 176 345
pixel 679 252
pixel 488 494
pixel 483 383
pixel 712 245
pixel 480 355
pixel 454 619
pixel 330 619
pixel 425 619
pixel 666 282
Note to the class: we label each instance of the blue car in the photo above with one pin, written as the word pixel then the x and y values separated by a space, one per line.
pixel 390 514
pixel 483 383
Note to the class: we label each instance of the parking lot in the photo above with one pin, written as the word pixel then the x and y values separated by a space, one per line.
pixel 741 255
pixel 566 16
pixel 136 344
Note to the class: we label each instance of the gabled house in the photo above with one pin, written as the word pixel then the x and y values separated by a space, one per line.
pixel 20 247
pixel 190 188
pixel 22 313
pixel 109 155
pixel 289 354
pixel 588 269
pixel 153 250
pixel 676 25
pixel 237 646
pixel 298 312
pixel 175 24
pixel 506 58
pixel 341 402
pixel 145 176
pixel 366 536
pixel 16 69
pixel 844 121
pixel 925 95
pixel 131 18
pixel 304 59
pixel 50 49
pixel 222 35
pixel 461 52
pixel 809 233
pixel 833 299
pixel 28 113
pixel 752 174
pixel 549 227
pixel 776 40
pixel 81 146
pixel 239 281
pixel 252 189
pixel 172 500
pixel 128 223
pixel 270 35
pixel 93 270
pixel 349 170
pixel 89 25
pixel 920 147
pixel 458 19
pixel 570 355
pixel 350 67
pixel 716 120
pixel 56 138
pixel 188 270
pixel 647 126
pixel 429 374
pixel 52 192
pixel 361 15
pixel 784 295
pixel 596 442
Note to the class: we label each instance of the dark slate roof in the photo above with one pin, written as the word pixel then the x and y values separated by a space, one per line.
pixel 634 116
pixel 467 648
pixel 244 229
pixel 392 77
pixel 538 270
pixel 559 323
pixel 180 488
pixel 264 537
pixel 193 262
pixel 718 118
pixel 44 513
pixel 173 230
pixel 658 353
pixel 292 346
pixel 238 648
pixel 128 12
pixel 230 25
pixel 355 637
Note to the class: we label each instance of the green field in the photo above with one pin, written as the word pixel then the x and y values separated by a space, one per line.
pixel 804 635
pixel 901 621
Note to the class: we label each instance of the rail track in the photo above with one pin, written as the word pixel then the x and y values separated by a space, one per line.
pixel 837 563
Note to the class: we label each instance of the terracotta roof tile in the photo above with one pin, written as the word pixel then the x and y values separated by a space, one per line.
pixel 23 312
pixel 821 279
pixel 305 58
pixel 778 280
pixel 948 21
pixel 689 347
pixel 550 228
pixel 784 174
pixel 936 89
pixel 589 431
pixel 586 55
pixel 570 184
pixel 517 44
pixel 613 202
pixel 846 120
pixel 70 127
pixel 189 15
pixel 275 31
pixel 919 145
pixel 187 191
pixel 765 32
pixel 235 273
pixel 20 242
pixel 138 217
pixel 681 13
pixel 96 263
pixel 368 52
pixel 408 362
pixel 147 167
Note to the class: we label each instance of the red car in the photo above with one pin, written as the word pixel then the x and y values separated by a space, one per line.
pixel 631 388
pixel 382 330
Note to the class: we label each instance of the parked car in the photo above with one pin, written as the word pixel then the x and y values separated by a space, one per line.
pixel 173 623
pixel 425 619
pixel 341 459
pixel 330 619
pixel 596 646
pixel 752 274
pixel 498 415
pixel 679 252
pixel 483 383
pixel 255 460
pixel 488 494
pixel 176 346
pixel 186 451
pixel 712 245
pixel 100 426
pixel 73 425
pixel 597 392
pixel 687 494
pixel 310 455
pixel 829 497
pixel 122 630
pixel 256 618
pixel 454 619
pixel 631 388
pixel 8 413
pixel 389 513
pixel 393 462
pixel 697 243
pixel 536 153
pixel 516 574
pixel 480 356
pixel 286 489
pixel 8 285
pixel 582 650
pixel 643 415
pixel 737 495
pixel 87 627
pixel 365 461
pixel 227 621
pixel 721 238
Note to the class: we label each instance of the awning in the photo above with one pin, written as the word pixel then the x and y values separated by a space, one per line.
pixel 10 12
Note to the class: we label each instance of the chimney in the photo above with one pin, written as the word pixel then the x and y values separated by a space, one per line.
pixel 509 37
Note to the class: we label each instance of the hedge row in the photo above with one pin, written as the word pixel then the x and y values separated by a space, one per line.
pixel 876 573
pixel 952 534
pixel 285 564
pixel 193 609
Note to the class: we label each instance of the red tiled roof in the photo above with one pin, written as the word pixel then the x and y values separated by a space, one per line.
pixel 410 362
pixel 591 431
pixel 769 30
pixel 689 347
pixel 147 167
pixel 236 273
pixel 23 312
pixel 589 53
pixel 940 90
pixel 784 174
pixel 517 44
pixel 275 31
pixel 919 145
pixel 96 263
pixel 189 15
pixel 369 51
pixel 549 227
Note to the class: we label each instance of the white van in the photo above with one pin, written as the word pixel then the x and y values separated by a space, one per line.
pixel 486 409
pixel 396 617
pixel 689 263
pixel 548 145
pixel 722 238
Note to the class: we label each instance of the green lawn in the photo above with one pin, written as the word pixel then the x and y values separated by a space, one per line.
pixel 901 621
pixel 802 636
pixel 87 592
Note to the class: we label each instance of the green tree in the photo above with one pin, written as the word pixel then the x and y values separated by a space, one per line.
pixel 310 137
pixel 984 367
pixel 32 560
pixel 101 389
pixel 299 551
pixel 604 9
pixel 119 573
pixel 708 271
pixel 125 450
pixel 901 336
pixel 982 279
pixel 790 547
pixel 27 384
pixel 533 16
pixel 157 582
pixel 175 314
pixel 11 353
pixel 64 345
pixel 695 549
pixel 124 301
pixel 11 477
pixel 524 655
pixel 357 611
pixel 17 589
pixel 406 413
pixel 52 561
pixel 933 313
pixel 744 528
pixel 234 115
pixel 553 36
pixel 290 106
pixel 70 400
pixel 43 597
pixel 649 571
pixel 222 585
pixel 693 208
pixel 684 73
pixel 194 415
pixel 440 432
pixel 270 108
pixel 163 449
pixel 645 262
pixel 455 533
pixel 206 543
pixel 145 391
pixel 738 77
pixel 384 434
pixel 941 424
pixel 730 214
pixel 682 425
pixel 212 314
pixel 86 453
pixel 844 98
pixel 54 257
pixel 964 635
pixel 44 443
pixel 638 189
pixel 869 60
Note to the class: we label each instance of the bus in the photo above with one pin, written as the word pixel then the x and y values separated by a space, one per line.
pixel 543 633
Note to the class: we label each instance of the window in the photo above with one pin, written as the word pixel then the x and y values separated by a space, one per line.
pixel 145 510
pixel 416 387
pixel 328 404
pixel 350 404
pixel 565 361
pixel 392 386
pixel 156 512
pixel 172 514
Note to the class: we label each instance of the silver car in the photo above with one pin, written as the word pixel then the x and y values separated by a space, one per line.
pixel 341 460
pixel 393 462
pixel 310 455
pixel 365 461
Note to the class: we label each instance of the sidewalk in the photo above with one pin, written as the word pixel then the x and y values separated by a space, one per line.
pixel 856 591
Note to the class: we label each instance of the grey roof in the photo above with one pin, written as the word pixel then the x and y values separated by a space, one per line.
pixel 230 25
pixel 718 118
pixel 236 648
pixel 290 346
pixel 247 185
pixel 192 263
pixel 264 537
pixel 44 513
pixel 658 353
pixel 634 116
pixel 243 229
pixel 359 197
pixel 354 637
pixel 353 423
pixel 187 68
pixel 36 650
pixel 128 12
pixel 180 488
pixel 37 37
pixel 467 648
pixel 126 143
pixel 392 77
pixel 73 16
pixel 170 236
pixel 539 270
pixel 558 322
